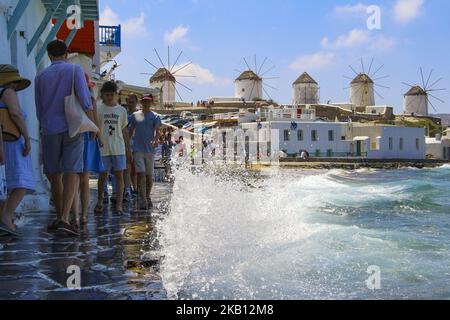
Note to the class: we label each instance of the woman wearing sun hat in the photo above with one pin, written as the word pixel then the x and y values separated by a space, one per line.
pixel 19 168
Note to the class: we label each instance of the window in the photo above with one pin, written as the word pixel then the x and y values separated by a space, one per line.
pixel 401 144
pixel 300 135
pixel 444 153
pixel 330 135
pixel 314 135
pixel 391 144
pixel 417 144
pixel 287 134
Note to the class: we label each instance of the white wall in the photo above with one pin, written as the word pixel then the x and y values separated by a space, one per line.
pixel 362 94
pixel 294 145
pixel 168 90
pixel 243 89
pixel 409 151
pixel 27 67
pixel 417 104
pixel 436 148
pixel 305 93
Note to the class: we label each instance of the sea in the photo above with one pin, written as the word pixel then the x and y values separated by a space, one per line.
pixel 296 234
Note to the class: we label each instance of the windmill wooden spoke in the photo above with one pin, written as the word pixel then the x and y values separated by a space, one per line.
pixel 178 94
pixel 270 69
pixel 270 78
pixel 253 88
pixel 431 90
pixel 440 100
pixel 384 77
pixel 168 56
pixel 147 74
pixel 151 64
pixel 238 71
pixel 381 86
pixel 273 88
pixel 262 65
pixel 185 66
pixel 353 70
pixel 160 60
pixel 423 80
pixel 184 86
pixel 185 76
pixel 176 61
pixel 431 104
pixel 379 94
pixel 346 88
pixel 256 66
pixel 248 66
pixel 428 80
pixel 265 91
pixel 370 67
pixel 347 78
pixel 407 84
pixel 362 65
pixel 382 66
pixel 436 82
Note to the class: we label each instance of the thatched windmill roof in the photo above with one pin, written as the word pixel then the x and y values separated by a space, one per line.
pixel 416 91
pixel 248 75
pixel 162 75
pixel 362 78
pixel 305 78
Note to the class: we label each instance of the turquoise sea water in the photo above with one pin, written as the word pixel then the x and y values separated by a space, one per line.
pixel 308 235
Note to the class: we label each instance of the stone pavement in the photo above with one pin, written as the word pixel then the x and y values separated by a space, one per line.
pixel 113 254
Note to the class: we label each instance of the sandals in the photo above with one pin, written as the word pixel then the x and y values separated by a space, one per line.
pixel 8 230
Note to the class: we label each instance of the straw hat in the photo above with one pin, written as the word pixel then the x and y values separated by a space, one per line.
pixel 9 74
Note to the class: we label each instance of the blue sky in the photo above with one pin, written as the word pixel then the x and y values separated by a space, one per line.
pixel 321 37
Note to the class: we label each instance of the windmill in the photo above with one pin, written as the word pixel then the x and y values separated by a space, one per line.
pixel 363 85
pixel 417 99
pixel 306 90
pixel 165 77
pixel 251 84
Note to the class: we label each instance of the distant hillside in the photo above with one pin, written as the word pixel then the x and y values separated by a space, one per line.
pixel 445 118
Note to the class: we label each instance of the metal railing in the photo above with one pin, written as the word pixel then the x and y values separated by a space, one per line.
pixel 110 35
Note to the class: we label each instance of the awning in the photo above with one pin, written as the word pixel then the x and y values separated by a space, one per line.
pixel 361 138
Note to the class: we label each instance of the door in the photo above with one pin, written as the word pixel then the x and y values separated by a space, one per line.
pixel 358 149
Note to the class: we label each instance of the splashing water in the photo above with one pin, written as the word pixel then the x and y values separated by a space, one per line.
pixel 308 235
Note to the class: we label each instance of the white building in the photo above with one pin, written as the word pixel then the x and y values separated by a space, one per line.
pixel 25 30
pixel 165 81
pixel 362 93
pixel 248 86
pixel 415 101
pixel 291 135
pixel 438 147
pixel 305 90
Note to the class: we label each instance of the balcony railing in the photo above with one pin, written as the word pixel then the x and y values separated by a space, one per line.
pixel 110 35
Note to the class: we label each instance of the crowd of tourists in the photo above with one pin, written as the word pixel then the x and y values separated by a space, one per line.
pixel 121 151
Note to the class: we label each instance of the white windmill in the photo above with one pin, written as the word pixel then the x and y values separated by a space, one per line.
pixel 362 86
pixel 417 100
pixel 250 85
pixel 165 78
pixel 305 90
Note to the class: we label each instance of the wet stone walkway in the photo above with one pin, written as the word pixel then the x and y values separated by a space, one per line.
pixel 115 255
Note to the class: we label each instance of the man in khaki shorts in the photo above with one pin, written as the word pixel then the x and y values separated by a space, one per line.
pixel 145 128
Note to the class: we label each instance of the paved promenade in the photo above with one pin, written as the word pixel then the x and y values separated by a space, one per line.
pixel 112 253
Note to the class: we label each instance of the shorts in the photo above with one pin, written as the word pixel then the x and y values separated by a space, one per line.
pixel 62 154
pixel 144 162
pixel 115 163
pixel 3 190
